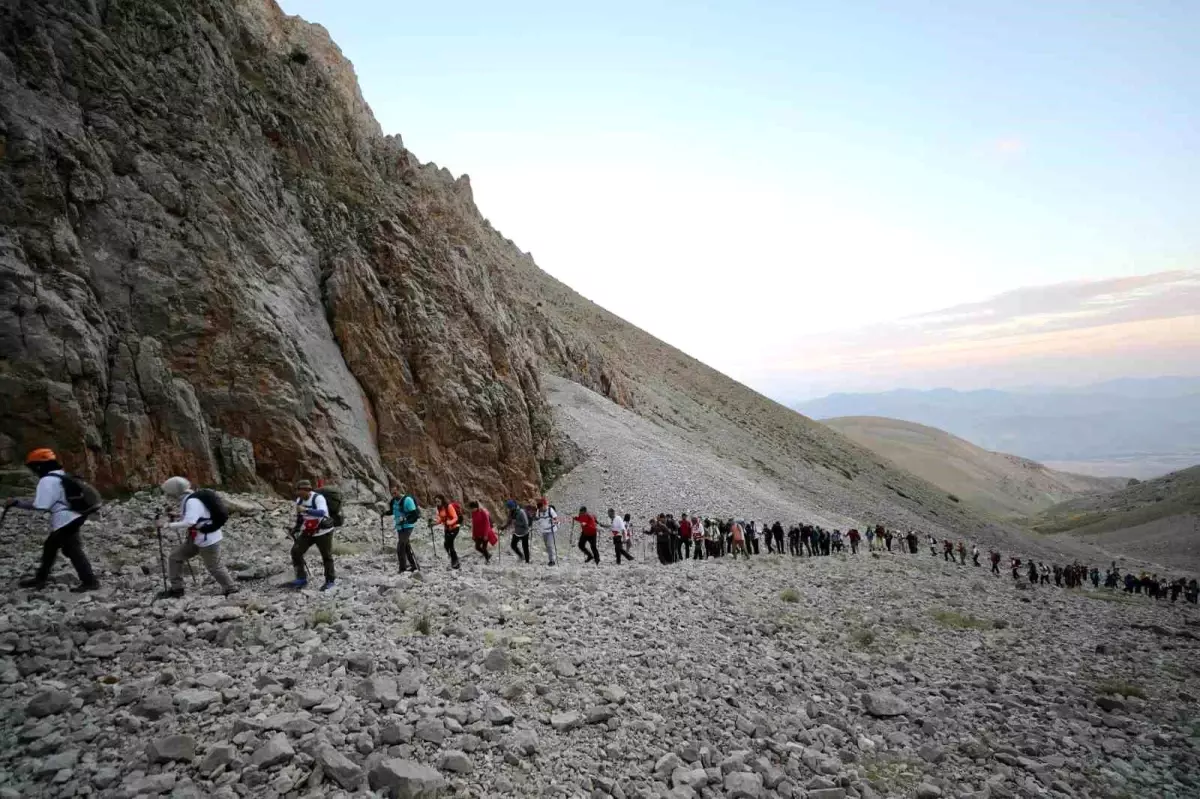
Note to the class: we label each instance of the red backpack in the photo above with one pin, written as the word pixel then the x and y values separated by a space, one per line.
pixel 458 512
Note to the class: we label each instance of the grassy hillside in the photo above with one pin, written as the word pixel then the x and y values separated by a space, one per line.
pixel 1173 495
pixel 996 483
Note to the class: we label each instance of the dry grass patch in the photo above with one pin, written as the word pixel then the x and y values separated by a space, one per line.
pixel 790 595
pixel 1114 687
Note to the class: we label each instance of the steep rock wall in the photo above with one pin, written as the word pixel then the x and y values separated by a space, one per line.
pixel 212 262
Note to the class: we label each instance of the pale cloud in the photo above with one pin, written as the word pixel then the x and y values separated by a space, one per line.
pixel 1147 324
pixel 1009 146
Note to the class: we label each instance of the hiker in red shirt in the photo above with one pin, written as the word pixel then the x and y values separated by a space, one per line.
pixel 587 536
pixel 685 537
pixel 481 530
pixel 855 537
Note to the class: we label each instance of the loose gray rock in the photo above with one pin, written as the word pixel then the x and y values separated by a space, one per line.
pixel 48 703
pixel 276 750
pixel 171 747
pixel 743 785
pixel 338 767
pixel 195 699
pixel 456 761
pixel 883 704
pixel 216 757
pixel 404 779
pixel 496 659
pixel 566 721
pixel 499 714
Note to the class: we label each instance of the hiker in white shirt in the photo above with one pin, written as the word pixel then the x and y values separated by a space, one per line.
pixel 545 521
pixel 617 525
pixel 312 527
pixel 51 497
pixel 202 538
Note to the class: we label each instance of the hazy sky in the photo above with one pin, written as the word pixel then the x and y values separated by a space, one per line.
pixel 744 179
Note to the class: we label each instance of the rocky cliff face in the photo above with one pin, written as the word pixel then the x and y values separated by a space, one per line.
pixel 213 262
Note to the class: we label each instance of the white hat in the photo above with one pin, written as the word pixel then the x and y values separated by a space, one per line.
pixel 176 487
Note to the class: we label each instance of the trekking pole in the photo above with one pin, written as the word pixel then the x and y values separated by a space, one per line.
pixel 382 534
pixel 4 514
pixel 162 563
pixel 429 524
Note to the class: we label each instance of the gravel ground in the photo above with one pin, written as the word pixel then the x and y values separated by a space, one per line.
pixel 831 677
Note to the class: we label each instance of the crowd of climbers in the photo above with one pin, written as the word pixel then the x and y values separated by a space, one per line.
pixel 201 514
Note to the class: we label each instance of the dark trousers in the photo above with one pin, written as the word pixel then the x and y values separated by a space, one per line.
pixel 618 548
pixel 587 545
pixel 481 546
pixel 520 545
pixel 404 551
pixel 687 549
pixel 853 547
pixel 770 544
pixel 752 545
pixel 701 550
pixel 324 544
pixel 448 542
pixel 779 543
pixel 66 540
pixel 793 545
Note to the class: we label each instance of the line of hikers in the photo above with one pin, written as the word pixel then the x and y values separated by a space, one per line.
pixel 202 514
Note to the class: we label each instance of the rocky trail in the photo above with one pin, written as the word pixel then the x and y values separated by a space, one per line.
pixel 889 676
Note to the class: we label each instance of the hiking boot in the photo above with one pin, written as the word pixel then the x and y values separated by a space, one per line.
pixel 231 590
pixel 328 585
pixel 169 593
pixel 298 583
pixel 454 565
pixel 34 583
pixel 85 587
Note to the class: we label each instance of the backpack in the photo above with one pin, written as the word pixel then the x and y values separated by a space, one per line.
pixel 81 497
pixel 458 511
pixel 333 500
pixel 218 513
pixel 415 515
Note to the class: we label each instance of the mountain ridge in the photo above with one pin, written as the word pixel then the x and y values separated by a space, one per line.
pixel 996 482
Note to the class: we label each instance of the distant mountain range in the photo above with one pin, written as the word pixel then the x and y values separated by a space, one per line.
pixel 1131 427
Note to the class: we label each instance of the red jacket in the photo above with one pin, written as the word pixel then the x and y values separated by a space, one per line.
pixel 685 530
pixel 481 524
pixel 587 523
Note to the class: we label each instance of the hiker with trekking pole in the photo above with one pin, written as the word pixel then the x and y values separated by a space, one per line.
pixel 545 521
pixel 518 520
pixel 405 515
pixel 203 515
pixel 69 501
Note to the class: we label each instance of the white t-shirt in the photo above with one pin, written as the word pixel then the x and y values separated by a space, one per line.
pixel 52 496
pixel 316 502
pixel 193 512
pixel 618 526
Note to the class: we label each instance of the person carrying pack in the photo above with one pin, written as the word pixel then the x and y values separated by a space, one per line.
pixel 405 515
pixel 449 516
pixel 69 501
pixel 482 534
pixel 313 526
pixel 545 521
pixel 518 520
pixel 619 530
pixel 203 514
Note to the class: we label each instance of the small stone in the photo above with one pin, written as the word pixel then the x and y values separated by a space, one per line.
pixel 827 793
pixel 666 766
pixel 598 714
pixel 405 779
pixel 380 689
pixel 396 733
pixel 195 699
pixel 499 714
pixel 276 750
pixel 307 698
pixel 48 703
pixel 614 694
pixel 218 756
pixel 456 761
pixel 171 747
pixel 154 706
pixel 566 721
pixel 1112 746
pixel 340 768
pixel 496 659
pixel 1111 704
pixel 564 668
pixel 524 742
pixel 431 730
pixel 883 704
pixel 927 791
pixel 743 785
pixel 360 663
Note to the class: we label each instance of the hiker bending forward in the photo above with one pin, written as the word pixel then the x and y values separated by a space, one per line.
pixel 313 526
pixel 203 539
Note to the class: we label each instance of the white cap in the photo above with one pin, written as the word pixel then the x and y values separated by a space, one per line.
pixel 176 487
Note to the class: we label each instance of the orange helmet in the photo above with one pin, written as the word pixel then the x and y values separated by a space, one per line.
pixel 43 455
